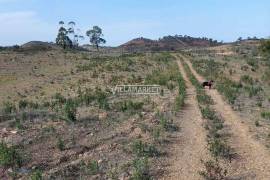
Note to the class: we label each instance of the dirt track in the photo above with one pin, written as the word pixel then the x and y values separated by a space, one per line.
pixel 189 145
pixel 253 160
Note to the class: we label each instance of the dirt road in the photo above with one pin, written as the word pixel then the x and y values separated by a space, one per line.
pixel 253 160
pixel 189 144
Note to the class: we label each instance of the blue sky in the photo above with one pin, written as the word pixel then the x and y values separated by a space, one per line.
pixel 123 20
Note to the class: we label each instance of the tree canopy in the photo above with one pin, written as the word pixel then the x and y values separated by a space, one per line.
pixel 63 39
pixel 68 37
pixel 95 35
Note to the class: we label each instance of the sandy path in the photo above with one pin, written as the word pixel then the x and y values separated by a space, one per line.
pixel 254 161
pixel 189 144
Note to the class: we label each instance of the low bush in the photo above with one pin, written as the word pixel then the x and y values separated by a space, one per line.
pixel 9 157
pixel 204 98
pixel 143 149
pixel 253 90
pixel 246 79
pixel 9 107
pixel 265 115
pixel 165 123
pixel 213 171
pixel 93 167
pixel 70 110
pixel 36 175
pixel 60 144
pixel 129 106
pixel 180 99
pixel 207 113
pixel 141 169
pixel 218 148
pixel 23 104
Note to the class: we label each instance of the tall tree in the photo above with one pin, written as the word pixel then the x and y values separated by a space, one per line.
pixel 95 36
pixel 62 38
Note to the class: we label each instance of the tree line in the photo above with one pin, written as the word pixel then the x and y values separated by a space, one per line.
pixel 69 36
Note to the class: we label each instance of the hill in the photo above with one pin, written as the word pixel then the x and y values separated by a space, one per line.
pixel 168 43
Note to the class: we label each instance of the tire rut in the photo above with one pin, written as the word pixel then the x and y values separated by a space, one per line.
pixel 254 159
pixel 189 144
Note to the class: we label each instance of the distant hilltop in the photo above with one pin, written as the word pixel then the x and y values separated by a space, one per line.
pixel 168 43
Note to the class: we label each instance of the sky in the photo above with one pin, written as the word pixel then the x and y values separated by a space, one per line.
pixel 122 20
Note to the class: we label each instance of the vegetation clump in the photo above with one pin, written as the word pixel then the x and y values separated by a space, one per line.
pixel 213 171
pixel 142 149
pixel 265 115
pixel 141 169
pixel 9 157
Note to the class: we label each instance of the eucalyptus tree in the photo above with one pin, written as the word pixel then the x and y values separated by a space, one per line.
pixel 62 38
pixel 95 35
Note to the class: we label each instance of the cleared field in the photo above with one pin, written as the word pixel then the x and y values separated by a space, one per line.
pixel 62 120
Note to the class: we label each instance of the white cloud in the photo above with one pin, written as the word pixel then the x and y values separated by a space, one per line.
pixel 20 27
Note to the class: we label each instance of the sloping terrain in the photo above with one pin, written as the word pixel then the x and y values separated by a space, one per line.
pixel 167 43
pixel 59 117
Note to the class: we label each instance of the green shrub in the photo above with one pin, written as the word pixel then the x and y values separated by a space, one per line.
pixel 247 79
pixel 60 144
pixel 70 111
pixel 141 169
pixel 253 63
pixel 265 115
pixel 93 167
pixel 143 149
pixel 36 175
pixel 253 90
pixel 60 99
pixel 18 124
pixel 129 106
pixel 165 123
pixel 180 99
pixel 156 133
pixel 179 102
pixel 9 107
pixel 219 148
pixel 204 98
pixel 9 157
pixel 28 104
pixel 207 113
pixel 22 104
pixel 98 96
pixel 101 98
